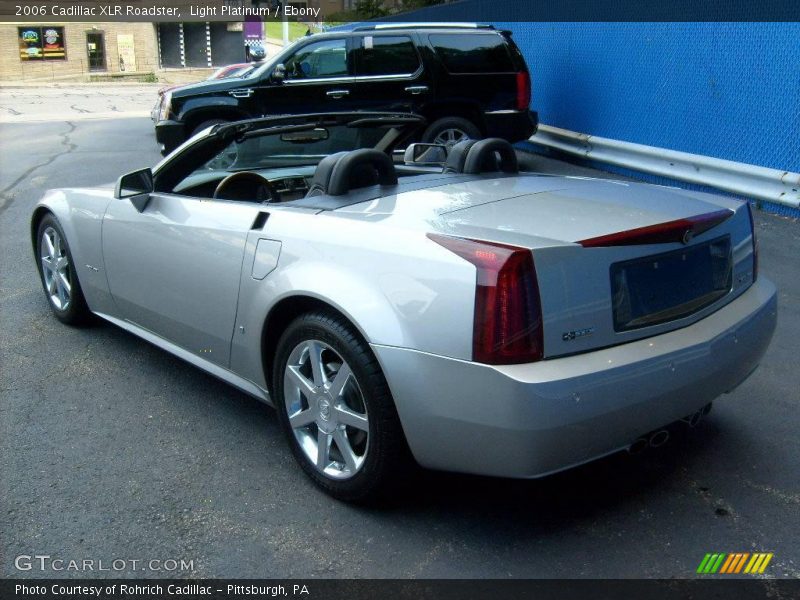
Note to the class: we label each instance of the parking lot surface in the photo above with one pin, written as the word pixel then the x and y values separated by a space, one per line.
pixel 76 102
pixel 113 449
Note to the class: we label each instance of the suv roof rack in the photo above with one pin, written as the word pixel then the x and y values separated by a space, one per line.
pixel 427 25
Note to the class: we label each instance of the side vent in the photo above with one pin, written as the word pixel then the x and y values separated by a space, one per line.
pixel 259 222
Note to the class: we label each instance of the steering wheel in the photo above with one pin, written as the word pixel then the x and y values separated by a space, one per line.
pixel 246 185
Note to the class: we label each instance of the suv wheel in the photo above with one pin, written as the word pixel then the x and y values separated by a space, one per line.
pixel 336 410
pixel 448 131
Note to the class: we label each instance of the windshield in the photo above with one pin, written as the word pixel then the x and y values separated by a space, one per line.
pixel 282 143
pixel 303 147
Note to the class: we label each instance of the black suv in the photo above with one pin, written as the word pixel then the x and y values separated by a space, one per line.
pixel 469 81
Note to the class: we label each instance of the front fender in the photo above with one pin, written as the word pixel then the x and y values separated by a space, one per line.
pixel 216 106
pixel 80 214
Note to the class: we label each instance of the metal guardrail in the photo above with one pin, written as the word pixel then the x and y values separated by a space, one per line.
pixel 750 181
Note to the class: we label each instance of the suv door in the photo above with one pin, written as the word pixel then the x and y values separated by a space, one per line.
pixel 389 73
pixel 318 79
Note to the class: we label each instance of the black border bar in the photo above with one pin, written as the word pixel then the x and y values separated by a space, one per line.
pixel 710 588
pixel 485 11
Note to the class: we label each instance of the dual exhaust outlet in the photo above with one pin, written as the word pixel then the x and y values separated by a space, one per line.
pixel 658 438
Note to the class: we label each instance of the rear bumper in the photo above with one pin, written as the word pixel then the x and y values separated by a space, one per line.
pixel 170 134
pixel 511 125
pixel 534 419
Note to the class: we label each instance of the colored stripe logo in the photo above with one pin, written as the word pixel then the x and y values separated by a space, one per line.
pixel 733 563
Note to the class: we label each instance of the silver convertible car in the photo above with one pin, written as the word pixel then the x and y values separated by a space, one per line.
pixel 432 305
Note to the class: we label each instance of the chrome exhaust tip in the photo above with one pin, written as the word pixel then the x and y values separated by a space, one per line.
pixel 638 446
pixel 659 438
pixel 694 419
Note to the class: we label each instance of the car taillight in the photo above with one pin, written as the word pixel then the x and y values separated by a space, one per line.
pixel 523 90
pixel 755 241
pixel 507 327
pixel 680 230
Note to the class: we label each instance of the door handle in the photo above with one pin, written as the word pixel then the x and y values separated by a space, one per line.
pixel 241 93
pixel 414 90
pixel 336 94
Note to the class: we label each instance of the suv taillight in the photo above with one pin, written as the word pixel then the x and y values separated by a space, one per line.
pixel 507 327
pixel 523 90
pixel 755 241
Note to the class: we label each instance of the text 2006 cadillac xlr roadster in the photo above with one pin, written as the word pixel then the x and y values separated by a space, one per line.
pixel 433 305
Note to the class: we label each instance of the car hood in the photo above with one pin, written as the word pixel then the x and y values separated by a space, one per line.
pixel 209 86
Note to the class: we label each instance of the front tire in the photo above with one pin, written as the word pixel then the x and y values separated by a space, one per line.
pixel 336 410
pixel 57 273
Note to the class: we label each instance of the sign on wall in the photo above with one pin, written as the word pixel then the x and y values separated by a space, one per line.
pixel 127 52
pixel 41 43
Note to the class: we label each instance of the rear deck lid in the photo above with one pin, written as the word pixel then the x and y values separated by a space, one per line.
pixel 575 210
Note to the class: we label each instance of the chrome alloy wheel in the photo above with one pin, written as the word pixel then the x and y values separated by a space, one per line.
pixel 326 409
pixel 55 269
pixel 450 137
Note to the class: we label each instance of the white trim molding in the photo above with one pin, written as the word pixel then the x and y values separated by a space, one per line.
pixel 742 179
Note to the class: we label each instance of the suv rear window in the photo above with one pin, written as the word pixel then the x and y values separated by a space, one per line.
pixel 471 53
pixel 386 55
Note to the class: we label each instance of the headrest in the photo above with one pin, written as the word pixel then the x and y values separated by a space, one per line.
pixel 458 156
pixel 482 157
pixel 361 168
pixel 322 174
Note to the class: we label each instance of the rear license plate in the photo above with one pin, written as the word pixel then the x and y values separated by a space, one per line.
pixel 664 287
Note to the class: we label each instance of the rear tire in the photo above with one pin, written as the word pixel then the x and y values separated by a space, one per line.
pixel 451 130
pixel 57 273
pixel 339 417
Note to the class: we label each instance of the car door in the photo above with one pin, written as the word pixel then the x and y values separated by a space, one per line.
pixel 389 73
pixel 318 79
pixel 174 268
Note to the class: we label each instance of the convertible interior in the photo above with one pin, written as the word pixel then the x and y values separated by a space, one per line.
pixel 324 160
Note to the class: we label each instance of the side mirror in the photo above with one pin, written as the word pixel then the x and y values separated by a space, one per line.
pixel 278 73
pixel 137 186
pixel 425 154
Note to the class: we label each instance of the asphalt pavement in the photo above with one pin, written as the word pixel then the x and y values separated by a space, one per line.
pixel 113 449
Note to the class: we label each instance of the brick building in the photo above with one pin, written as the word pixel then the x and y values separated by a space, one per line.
pixel 60 50
pixel 55 50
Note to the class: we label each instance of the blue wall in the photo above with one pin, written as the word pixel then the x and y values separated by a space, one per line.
pixel 729 90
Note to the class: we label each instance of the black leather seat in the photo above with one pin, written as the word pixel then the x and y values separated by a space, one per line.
pixel 339 173
pixel 481 156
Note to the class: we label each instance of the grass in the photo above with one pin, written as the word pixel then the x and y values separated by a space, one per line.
pixel 274 30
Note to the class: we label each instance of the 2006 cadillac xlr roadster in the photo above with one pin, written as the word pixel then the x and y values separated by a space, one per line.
pixel 432 305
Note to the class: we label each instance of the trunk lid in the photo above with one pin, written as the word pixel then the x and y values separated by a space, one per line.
pixel 625 287
pixel 566 209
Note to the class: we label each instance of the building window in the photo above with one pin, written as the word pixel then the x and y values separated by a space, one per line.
pixel 41 43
